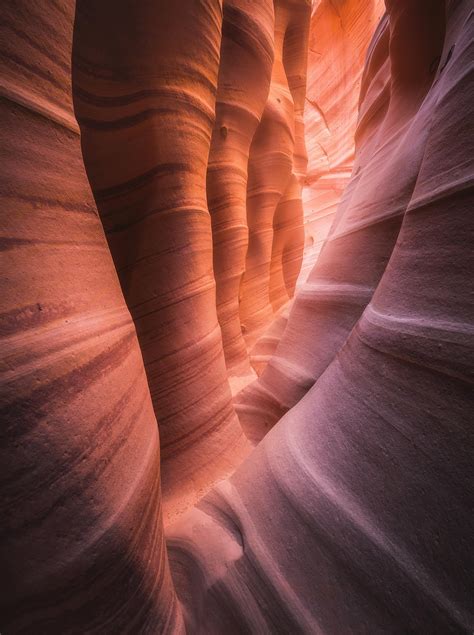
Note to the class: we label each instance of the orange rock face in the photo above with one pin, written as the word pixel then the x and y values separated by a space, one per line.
pixel 273 214
pixel 353 514
pixel 365 227
pixel 150 256
pixel 339 37
pixel 80 471
pixel 146 133
pixel 245 68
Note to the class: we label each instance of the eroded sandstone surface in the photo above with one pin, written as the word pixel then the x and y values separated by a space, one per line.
pixel 163 167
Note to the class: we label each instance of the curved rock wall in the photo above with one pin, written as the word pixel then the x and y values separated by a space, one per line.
pixel 288 236
pixel 82 546
pixel 275 155
pixel 368 219
pixel 361 520
pixel 353 514
pixel 339 37
pixel 245 68
pixel 145 101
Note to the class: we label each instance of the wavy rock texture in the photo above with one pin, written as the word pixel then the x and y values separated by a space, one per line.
pixel 354 513
pixel 146 132
pixel 339 37
pixel 361 521
pixel 288 236
pixel 369 216
pixel 275 158
pixel 246 60
pixel 82 548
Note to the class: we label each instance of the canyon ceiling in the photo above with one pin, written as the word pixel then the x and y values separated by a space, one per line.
pixel 237 316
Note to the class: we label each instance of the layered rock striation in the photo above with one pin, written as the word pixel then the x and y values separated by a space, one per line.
pixel 354 512
pixel 246 61
pixel 339 38
pixel 127 278
pixel 146 134
pixel 276 158
pixel 369 216
pixel 82 544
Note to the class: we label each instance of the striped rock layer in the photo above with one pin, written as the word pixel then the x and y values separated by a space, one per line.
pixel 246 61
pixel 369 215
pixel 354 513
pixel 339 37
pixel 67 335
pixel 145 101
pixel 277 156
pixel 82 545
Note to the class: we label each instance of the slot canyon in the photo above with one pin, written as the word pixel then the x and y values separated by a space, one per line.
pixel 237 323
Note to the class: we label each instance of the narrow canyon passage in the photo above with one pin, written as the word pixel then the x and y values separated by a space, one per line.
pixel 237 316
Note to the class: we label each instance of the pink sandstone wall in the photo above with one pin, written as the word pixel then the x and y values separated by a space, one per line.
pixel 340 36
pixel 132 500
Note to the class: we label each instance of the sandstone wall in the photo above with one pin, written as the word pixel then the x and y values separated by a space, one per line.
pixel 126 283
pixel 82 544
pixel 339 38
pixel 354 513
pixel 145 101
